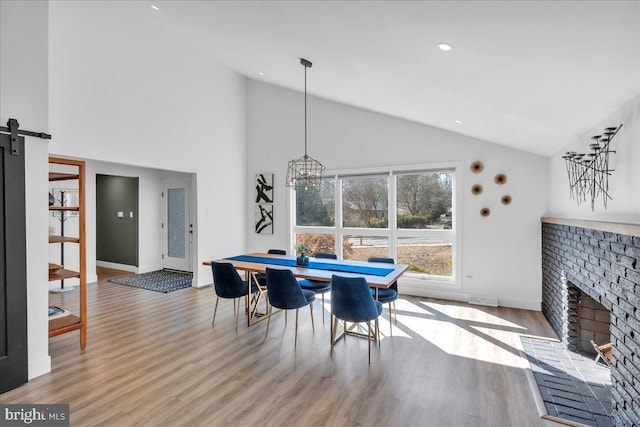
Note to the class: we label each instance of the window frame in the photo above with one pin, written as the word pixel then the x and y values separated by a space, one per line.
pixel 392 232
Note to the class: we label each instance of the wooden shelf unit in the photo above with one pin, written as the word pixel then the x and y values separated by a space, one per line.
pixel 71 322
pixel 63 239
pixel 57 176
pixel 65 208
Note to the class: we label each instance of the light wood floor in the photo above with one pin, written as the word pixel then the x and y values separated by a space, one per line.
pixel 154 359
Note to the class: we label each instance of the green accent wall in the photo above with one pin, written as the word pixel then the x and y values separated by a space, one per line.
pixel 117 238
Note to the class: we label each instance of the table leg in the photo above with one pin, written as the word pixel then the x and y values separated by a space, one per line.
pixel 253 314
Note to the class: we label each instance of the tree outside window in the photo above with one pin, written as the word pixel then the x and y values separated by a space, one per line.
pixel 365 201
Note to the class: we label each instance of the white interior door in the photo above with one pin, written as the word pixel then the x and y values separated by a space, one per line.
pixel 177 228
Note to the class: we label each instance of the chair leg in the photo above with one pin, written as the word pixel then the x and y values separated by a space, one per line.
pixel 295 342
pixel 237 312
pixel 285 318
pixel 215 310
pixel 390 320
pixel 330 324
pixel 313 327
pixel 334 326
pixel 377 331
pixel 395 312
pixel 268 320
pixel 323 309
pixel 369 340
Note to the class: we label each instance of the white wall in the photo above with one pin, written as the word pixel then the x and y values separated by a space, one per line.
pixel 24 95
pixel 123 91
pixel 624 182
pixel 501 252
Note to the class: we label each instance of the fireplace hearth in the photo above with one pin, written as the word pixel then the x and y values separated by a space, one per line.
pixel 600 261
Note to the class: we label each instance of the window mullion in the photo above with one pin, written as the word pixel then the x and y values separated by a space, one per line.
pixel 338 221
pixel 393 223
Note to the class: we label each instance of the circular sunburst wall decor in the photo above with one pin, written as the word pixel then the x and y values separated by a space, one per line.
pixel 506 200
pixel 477 166
pixel 476 189
pixel 500 179
pixel 485 212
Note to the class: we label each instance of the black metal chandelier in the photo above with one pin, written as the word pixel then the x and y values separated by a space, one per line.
pixel 305 171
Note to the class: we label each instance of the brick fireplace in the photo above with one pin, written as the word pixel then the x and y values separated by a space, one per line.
pixel 601 261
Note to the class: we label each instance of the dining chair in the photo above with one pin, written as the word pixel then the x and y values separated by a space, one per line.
pixel 229 285
pixel 351 301
pixel 285 293
pixel 277 251
pixel 261 277
pixel 317 286
pixel 389 295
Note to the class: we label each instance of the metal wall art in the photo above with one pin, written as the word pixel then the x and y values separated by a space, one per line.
pixel 477 166
pixel 500 179
pixel 589 172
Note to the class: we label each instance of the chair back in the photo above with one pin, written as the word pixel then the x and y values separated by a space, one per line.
pixel 277 251
pixel 394 285
pixel 227 281
pixel 325 255
pixel 283 289
pixel 351 299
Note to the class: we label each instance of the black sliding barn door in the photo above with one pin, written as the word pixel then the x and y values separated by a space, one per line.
pixel 13 266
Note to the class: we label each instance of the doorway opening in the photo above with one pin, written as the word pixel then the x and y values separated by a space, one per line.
pixel 177 227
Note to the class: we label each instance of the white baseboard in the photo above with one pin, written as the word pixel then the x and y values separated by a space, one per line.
pixel 149 268
pixel 39 367
pixel 453 295
pixel 201 282
pixel 421 291
pixel 116 266
pixel 522 303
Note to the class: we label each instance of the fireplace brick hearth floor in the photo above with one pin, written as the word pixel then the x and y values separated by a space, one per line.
pixel 573 387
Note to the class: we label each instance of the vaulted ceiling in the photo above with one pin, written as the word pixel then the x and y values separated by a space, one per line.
pixel 530 75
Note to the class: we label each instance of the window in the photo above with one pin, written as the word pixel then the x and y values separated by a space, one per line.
pixel 361 248
pixel 424 200
pixel 406 215
pixel 365 201
pixel 315 205
pixel 316 242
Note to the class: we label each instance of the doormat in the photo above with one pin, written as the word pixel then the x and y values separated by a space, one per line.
pixel 158 281
pixel 572 388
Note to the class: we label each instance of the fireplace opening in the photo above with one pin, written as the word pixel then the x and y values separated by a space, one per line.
pixel 593 325
pixel 588 323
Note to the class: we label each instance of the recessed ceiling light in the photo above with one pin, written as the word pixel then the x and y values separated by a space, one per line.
pixel 154 7
pixel 260 73
pixel 458 121
pixel 445 46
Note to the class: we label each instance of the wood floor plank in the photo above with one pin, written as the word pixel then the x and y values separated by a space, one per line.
pixel 154 359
